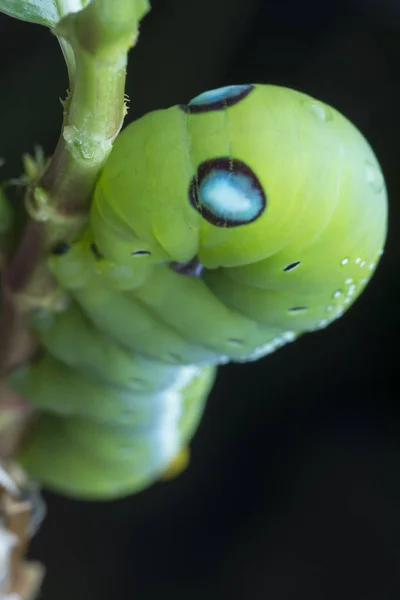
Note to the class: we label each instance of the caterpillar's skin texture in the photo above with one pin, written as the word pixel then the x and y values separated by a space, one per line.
pixel 220 230
pixel 108 443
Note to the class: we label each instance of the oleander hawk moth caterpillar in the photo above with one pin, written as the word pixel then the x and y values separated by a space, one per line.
pixel 219 231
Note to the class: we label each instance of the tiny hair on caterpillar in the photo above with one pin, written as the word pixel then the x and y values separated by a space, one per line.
pixel 220 230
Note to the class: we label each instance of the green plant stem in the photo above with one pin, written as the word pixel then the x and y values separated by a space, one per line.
pixel 69 58
pixel 95 108
pixel 95 42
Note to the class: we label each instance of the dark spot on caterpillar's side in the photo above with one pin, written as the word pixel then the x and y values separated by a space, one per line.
pixel 235 342
pixel 60 248
pixel 218 99
pixel 292 266
pixel 226 192
pixel 96 252
pixel 141 253
pixel 192 268
pixel 298 308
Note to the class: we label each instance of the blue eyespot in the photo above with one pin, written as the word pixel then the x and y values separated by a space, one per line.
pixel 227 193
pixel 218 99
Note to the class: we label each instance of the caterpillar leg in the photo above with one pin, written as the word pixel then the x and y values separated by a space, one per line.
pixel 177 465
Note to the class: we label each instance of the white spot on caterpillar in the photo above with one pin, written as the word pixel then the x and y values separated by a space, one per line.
pixel 258 352
pixel 363 263
pixel 323 113
pixel 185 376
pixel 373 176
pixel 289 336
pixel 337 294
pixel 222 360
pixel 348 281
pixel 168 440
pixel 344 262
pixel 318 111
pixel 329 308
pixel 269 347
pixel 358 260
pixel 351 290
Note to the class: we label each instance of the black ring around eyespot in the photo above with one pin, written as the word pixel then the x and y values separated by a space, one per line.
pixel 218 99
pixel 228 172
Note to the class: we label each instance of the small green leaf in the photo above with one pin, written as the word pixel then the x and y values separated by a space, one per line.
pixel 43 12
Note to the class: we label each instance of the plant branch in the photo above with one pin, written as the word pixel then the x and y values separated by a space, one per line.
pixel 95 42
pixel 6 218
pixel 100 37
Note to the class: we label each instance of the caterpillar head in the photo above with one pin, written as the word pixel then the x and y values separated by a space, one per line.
pixel 235 176
pixel 275 188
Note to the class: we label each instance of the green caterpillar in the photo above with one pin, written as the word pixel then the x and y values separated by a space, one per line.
pixel 220 230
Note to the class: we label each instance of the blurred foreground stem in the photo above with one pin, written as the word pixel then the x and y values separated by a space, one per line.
pixel 95 42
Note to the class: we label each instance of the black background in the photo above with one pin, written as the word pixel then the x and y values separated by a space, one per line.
pixel 293 487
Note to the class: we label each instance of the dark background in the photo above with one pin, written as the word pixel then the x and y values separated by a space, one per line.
pixel 293 490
